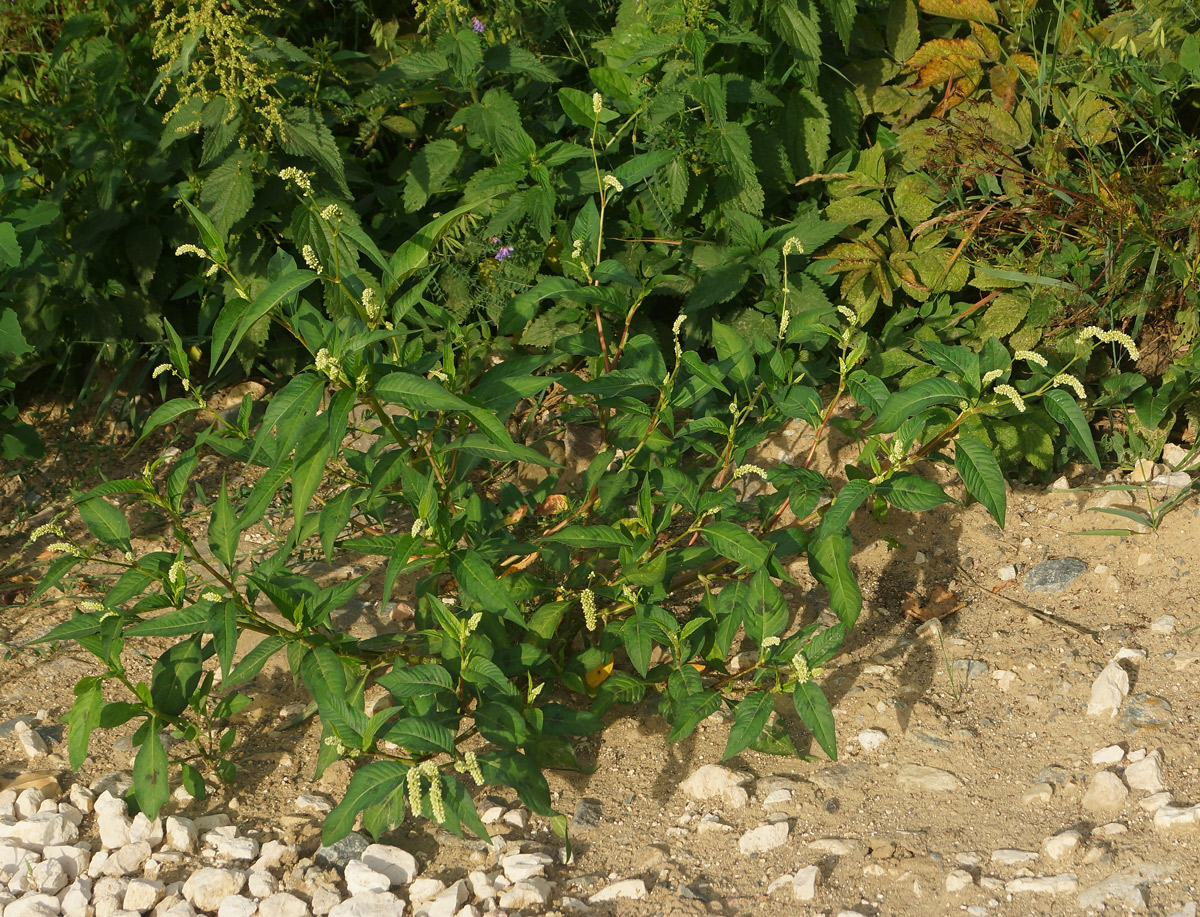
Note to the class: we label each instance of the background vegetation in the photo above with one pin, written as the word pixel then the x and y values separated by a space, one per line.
pixel 680 224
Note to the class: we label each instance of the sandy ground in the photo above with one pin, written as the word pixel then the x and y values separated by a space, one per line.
pixel 996 701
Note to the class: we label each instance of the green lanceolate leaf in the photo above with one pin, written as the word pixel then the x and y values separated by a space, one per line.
pixel 981 473
pixel 83 718
pixel 591 536
pixel 418 393
pixel 479 584
pixel 765 614
pixel 829 561
pixel 693 709
pixel 733 541
pixel 106 523
pixel 416 680
pixel 816 714
pixel 905 404
pixel 749 717
pixel 848 499
pixel 254 660
pixel 238 315
pixel 223 530
pixel 913 493
pixel 368 786
pixel 1063 408
pixel 150 785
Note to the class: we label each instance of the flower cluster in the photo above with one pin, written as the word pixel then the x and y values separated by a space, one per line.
pixel 331 213
pixel 48 529
pixel 743 470
pixel 597 102
pixel 801 670
pixel 211 596
pixel 1066 379
pixel 177 573
pixel 311 259
pixel 418 527
pixel 470 765
pixel 588 600
pixel 476 25
pixel 610 181
pixel 1012 395
pixel 429 771
pixel 188 249
pixel 1030 357
pixel 793 245
pixel 1110 337
pixel 370 304
pixel 302 179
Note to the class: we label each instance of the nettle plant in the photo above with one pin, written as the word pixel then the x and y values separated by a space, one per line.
pixel 540 600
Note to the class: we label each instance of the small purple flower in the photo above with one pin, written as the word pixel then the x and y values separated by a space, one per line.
pixel 494 240
pixel 477 24
pixel 505 251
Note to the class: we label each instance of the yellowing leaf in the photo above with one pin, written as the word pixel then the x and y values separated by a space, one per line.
pixel 951 67
pixel 975 10
pixel 599 674
pixel 959 92
pixel 987 40
pixel 940 48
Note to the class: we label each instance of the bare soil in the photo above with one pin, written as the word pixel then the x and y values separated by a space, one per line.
pixel 998 699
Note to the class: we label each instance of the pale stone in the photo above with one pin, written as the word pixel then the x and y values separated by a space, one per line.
pixel 927 779
pixel 283 905
pixel 481 885
pixel 1009 857
pixel 1163 625
pixel 518 818
pixel 1111 754
pixel 361 878
pixel 1064 884
pixel 237 906
pixel 871 739
pixel 310 803
pixel 1109 690
pixel 36 905
pixel 1062 844
pixel 626 888
pixel 73 859
pixel 262 884
pixel 112 820
pixel 77 898
pixel 425 889
pixel 492 814
pixel 1105 793
pixel 180 834
pixel 1169 817
pixel 520 866
pixel 81 798
pixel 1037 794
pixel 764 838
pixel 142 828
pixel 206 888
pixel 804 883
pixel 712 781
pixel 448 902
pixel 142 894
pixel 32 744
pixel 1155 802
pixel 958 879
pixel 132 857
pixel 28 802
pixel 1125 888
pixel 1146 774
pixel 468 910
pixel 838 846
pixel 325 899
pixel 41 829
pixel 398 865
pixel 533 892
pixel 50 877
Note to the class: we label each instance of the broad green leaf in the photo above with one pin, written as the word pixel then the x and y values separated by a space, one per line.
pixel 413 254
pixel 913 493
pixel 904 404
pixel 1063 408
pixel 816 714
pixel 848 499
pixel 693 709
pixel 417 680
pixel 150 785
pixel 305 134
pixel 252 663
pixel 591 536
pixel 765 614
pixel 749 717
pixel 635 634
pixel 368 786
pixel 211 239
pixel 228 192
pixel 501 724
pixel 167 413
pixel 428 171
pixel 177 623
pixel 829 561
pixel 479 584
pixel 733 541
pixel 418 393
pixel 83 718
pixel 420 734
pixel 238 315
pixel 106 523
pixel 981 473
pixel 10 256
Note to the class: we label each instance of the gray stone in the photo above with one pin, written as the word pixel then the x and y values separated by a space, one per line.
pixel 518 866
pixel 1146 711
pixel 1146 774
pixel 352 846
pixel 206 888
pixel 958 879
pixel 1062 844
pixel 1054 575
pixel 587 815
pixel 968 669
pixel 626 888
pixel 1168 817
pixel 927 779
pixel 1128 890
pixel 7 727
pixel 1009 857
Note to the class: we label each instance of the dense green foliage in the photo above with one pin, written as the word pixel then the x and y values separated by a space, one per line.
pixel 672 227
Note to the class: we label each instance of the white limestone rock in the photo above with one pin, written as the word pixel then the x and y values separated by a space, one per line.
pixel 206 888
pixel 712 781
